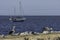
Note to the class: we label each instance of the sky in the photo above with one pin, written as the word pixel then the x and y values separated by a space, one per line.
pixel 30 7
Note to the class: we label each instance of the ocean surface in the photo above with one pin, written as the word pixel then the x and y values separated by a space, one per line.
pixel 32 23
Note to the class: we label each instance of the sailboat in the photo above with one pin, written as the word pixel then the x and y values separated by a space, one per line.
pixel 18 18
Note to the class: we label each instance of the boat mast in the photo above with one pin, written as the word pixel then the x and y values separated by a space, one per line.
pixel 20 8
pixel 15 11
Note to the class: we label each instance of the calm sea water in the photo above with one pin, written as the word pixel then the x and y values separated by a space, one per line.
pixel 32 23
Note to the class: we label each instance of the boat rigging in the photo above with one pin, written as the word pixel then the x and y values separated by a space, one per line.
pixel 18 18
